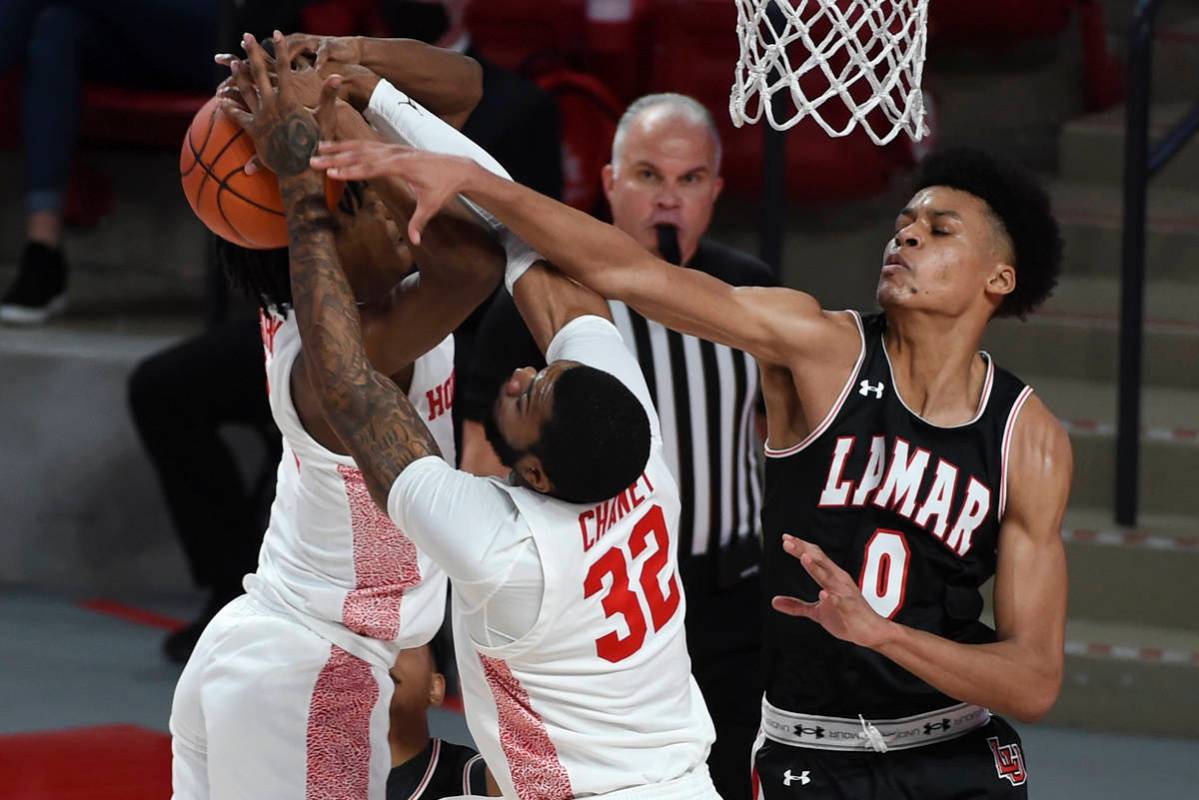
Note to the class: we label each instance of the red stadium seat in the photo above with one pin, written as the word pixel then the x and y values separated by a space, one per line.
pixel 511 33
pixel 587 114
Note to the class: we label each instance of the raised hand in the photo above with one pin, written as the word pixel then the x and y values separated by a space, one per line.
pixel 284 132
pixel 434 179
pixel 840 609
pixel 341 49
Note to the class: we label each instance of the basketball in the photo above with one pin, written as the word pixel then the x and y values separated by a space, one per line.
pixel 246 210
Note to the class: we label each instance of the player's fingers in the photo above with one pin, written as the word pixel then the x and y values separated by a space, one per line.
pixel 283 57
pixel 323 54
pixel 252 166
pixel 326 112
pixel 258 70
pixel 817 568
pixel 420 217
pixel 298 43
pixel 224 59
pixel 245 86
pixel 337 160
pixel 793 606
pixel 235 113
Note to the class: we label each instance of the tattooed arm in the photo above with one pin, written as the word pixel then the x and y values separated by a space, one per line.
pixel 368 412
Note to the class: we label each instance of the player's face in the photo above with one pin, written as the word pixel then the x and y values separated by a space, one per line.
pixel 666 175
pixel 524 403
pixel 416 685
pixel 372 248
pixel 947 256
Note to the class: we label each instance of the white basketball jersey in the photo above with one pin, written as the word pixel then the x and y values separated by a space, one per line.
pixel 598 696
pixel 330 553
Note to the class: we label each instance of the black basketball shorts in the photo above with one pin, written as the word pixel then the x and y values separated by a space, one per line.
pixel 985 764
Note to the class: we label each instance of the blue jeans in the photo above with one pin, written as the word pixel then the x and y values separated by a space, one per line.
pixel 160 44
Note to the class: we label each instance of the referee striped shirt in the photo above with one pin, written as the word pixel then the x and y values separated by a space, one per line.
pixel 706 395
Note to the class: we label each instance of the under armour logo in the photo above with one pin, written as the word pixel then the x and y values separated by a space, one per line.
pixel 817 732
pixel 802 777
pixel 929 727
pixel 865 390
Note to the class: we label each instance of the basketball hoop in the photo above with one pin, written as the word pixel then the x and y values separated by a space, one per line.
pixel 866 54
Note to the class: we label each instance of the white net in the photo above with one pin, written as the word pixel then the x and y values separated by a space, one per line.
pixel 843 63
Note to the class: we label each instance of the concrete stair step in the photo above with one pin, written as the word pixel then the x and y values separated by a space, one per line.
pixel 1166 301
pixel 1176 58
pixel 149 252
pixel 1169 442
pixel 1117 676
pixel 1091 217
pixel 82 508
pixel 1086 346
pixel 1129 678
pixel 1091 148
pixel 1132 576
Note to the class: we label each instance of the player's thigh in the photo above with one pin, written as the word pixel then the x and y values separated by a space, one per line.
pixel 985 764
pixel 189 736
pixel 287 713
pixel 782 772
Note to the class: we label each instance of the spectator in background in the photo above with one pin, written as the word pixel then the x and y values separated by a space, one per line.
pixel 180 399
pixel 163 44
pixel 515 121
pixel 662 186
pixel 424 768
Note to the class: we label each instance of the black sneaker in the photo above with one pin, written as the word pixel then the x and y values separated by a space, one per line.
pixel 178 645
pixel 40 290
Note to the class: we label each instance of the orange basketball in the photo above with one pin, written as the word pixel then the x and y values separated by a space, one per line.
pixel 243 209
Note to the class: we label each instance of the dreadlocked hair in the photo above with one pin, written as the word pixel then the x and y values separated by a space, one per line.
pixel 263 274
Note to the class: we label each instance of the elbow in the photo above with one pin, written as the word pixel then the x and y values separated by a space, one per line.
pixel 472 91
pixel 1037 699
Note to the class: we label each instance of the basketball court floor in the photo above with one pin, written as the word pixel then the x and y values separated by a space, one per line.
pixel 85 696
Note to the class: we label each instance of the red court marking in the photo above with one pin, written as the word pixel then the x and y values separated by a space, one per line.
pixel 110 762
pixel 132 614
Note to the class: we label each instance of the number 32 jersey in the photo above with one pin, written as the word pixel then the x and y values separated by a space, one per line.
pixel 594 694
pixel 909 509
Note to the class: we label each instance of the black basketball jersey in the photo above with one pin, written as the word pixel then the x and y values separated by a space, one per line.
pixel 442 769
pixel 909 508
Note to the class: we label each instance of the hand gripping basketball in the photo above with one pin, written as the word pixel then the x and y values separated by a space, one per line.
pixel 285 133
pixel 434 179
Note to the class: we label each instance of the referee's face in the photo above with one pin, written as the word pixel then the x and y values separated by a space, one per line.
pixel 665 174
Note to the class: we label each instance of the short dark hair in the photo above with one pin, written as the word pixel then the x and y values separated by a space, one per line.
pixel 596 440
pixel 263 274
pixel 1022 208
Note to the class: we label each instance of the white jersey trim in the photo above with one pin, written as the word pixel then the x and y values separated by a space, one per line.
pixel 1008 430
pixel 836 409
pixel 983 399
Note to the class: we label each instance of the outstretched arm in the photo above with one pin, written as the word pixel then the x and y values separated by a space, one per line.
pixel 447 83
pixel 366 410
pixel 774 325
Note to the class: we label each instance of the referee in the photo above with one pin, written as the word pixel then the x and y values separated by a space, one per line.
pixel 662 185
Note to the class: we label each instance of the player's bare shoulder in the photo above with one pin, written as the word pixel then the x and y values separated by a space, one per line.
pixel 1040 466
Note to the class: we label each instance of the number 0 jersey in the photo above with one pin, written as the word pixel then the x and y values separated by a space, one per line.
pixel 330 554
pixel 908 508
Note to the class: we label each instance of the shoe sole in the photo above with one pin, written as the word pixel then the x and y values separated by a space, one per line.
pixel 24 315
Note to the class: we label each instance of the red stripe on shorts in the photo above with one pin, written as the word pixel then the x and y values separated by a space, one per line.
pixel 385 565
pixel 537 774
pixel 339 729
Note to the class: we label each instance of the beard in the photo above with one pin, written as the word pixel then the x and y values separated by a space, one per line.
pixel 507 454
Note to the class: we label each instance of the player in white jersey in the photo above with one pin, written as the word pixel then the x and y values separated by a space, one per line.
pixel 287 691
pixel 569 610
